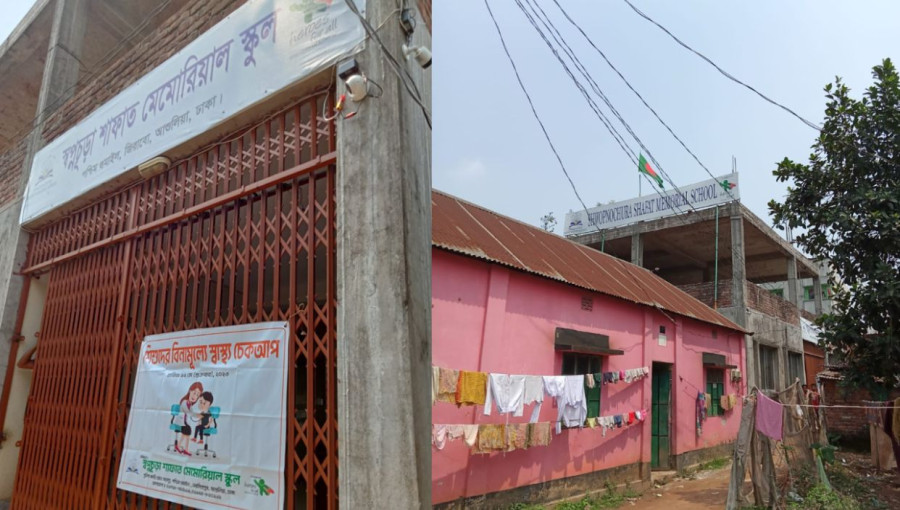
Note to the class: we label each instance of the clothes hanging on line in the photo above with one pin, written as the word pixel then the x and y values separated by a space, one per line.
pixel 534 394
pixel 769 417
pixel 447 383
pixel 571 403
pixel 700 412
pixel 507 392
pixel 471 388
pixel 491 438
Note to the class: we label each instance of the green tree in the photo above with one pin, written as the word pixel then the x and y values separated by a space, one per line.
pixel 548 222
pixel 846 200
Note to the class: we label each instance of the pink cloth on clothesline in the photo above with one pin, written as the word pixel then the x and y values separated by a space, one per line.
pixel 769 417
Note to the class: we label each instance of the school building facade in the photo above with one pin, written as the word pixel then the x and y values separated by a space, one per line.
pixel 262 203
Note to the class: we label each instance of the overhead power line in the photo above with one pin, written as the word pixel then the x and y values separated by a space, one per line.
pixel 650 301
pixel 636 93
pixel 724 73
pixel 538 118
pixel 402 74
pixel 596 88
pixel 533 110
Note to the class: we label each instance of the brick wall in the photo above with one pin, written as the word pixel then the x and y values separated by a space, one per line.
pixel 172 35
pixel 764 301
pixel 848 422
pixel 705 291
pixel 11 172
pixel 183 27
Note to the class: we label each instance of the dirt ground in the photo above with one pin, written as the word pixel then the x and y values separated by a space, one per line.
pixel 709 489
pixel 885 484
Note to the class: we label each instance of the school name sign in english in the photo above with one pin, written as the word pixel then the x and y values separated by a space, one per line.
pixel 667 203
pixel 260 48
pixel 207 426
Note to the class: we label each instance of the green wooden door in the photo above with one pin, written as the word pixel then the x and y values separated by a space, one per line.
pixel 659 416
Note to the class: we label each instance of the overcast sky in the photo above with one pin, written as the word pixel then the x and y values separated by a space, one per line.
pixel 489 150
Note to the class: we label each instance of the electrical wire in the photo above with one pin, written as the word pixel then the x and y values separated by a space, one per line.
pixel 648 301
pixel 722 71
pixel 595 108
pixel 560 40
pixel 534 112
pixel 636 93
pixel 401 72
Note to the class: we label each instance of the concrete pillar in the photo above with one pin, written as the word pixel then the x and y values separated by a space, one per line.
pixel 61 70
pixel 792 291
pixel 817 292
pixel 637 249
pixel 63 63
pixel 384 283
pixel 738 299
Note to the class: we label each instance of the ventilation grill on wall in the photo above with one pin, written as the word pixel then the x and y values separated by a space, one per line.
pixel 587 303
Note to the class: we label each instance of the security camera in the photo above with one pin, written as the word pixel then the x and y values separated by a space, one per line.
pixel 420 53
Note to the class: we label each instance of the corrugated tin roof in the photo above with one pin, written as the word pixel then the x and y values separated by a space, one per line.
pixel 833 375
pixel 461 227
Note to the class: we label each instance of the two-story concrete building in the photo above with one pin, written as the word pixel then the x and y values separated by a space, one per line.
pixel 711 246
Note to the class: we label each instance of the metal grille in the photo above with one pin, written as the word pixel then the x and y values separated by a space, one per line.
pixel 63 438
pixel 240 232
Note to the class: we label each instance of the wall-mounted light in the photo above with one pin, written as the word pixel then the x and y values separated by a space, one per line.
pixel 153 167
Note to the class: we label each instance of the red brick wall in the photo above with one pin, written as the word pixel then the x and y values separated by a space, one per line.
pixel 172 35
pixel 764 301
pixel 848 422
pixel 183 27
pixel 705 291
pixel 11 171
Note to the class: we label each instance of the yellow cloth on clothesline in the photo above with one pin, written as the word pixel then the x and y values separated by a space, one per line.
pixel 471 388
pixel 491 438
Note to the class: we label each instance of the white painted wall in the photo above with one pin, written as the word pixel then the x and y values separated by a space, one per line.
pixel 21 386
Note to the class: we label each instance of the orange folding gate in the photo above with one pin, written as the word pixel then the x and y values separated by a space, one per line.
pixel 240 232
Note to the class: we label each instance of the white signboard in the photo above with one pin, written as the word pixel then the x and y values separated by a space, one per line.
pixel 262 47
pixel 652 206
pixel 207 426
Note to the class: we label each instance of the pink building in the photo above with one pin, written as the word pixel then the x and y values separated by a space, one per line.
pixel 510 298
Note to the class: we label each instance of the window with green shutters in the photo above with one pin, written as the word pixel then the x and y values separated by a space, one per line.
pixel 715 387
pixel 580 364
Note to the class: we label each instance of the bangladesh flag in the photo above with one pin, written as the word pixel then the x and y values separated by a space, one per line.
pixel 645 168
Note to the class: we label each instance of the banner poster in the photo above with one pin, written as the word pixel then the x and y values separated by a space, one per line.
pixel 207 426
pixel 651 206
pixel 257 50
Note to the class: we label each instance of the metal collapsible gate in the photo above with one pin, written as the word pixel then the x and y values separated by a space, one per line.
pixel 240 232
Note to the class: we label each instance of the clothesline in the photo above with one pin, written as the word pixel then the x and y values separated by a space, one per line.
pixel 646 371
pixel 842 406
pixel 839 406
pixel 490 437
